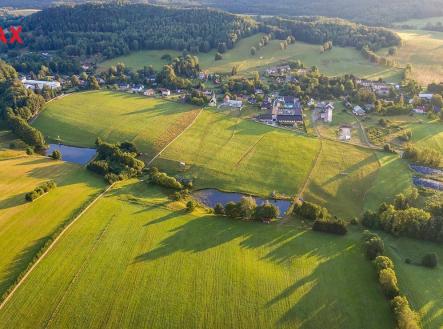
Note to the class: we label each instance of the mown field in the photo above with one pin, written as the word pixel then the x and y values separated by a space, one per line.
pixel 228 152
pixel 136 260
pixel 423 286
pixel 25 226
pixel 348 179
pixel 338 61
pixel 150 123
pixel 424 50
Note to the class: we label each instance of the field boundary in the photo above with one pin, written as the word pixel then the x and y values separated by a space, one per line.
pixel 175 138
pixel 51 246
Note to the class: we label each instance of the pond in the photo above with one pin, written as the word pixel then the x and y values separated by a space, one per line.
pixel 428 183
pixel 80 155
pixel 210 197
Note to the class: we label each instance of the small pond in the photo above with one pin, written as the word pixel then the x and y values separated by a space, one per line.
pixel 427 170
pixel 80 155
pixel 428 183
pixel 210 197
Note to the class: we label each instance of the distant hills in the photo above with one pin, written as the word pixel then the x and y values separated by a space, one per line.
pixel 373 12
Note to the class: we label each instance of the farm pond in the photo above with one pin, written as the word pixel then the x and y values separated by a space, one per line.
pixel 80 155
pixel 210 197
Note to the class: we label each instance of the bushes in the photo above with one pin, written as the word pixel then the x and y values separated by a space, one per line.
pixel 191 205
pixel 40 190
pixel 330 226
pixel 248 209
pixel 162 179
pixel 116 161
pixel 405 317
pixel 430 260
pixel 373 245
pixel 310 211
pixel 56 155
pixel 219 209
pixel 383 263
pixel 388 282
pixel 424 156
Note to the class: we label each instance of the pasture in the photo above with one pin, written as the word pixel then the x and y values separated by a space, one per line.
pixel 424 50
pixel 336 62
pixel 137 260
pixel 150 123
pixel 423 286
pixel 26 226
pixel 226 151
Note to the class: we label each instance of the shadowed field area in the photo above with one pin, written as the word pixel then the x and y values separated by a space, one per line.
pixel 135 250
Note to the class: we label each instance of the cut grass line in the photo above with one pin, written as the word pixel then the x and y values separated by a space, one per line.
pixel 78 273
pixel 248 151
pixel 25 276
pixel 175 138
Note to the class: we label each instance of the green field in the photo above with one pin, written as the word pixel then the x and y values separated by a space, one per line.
pixel 136 260
pixel 423 286
pixel 419 23
pixel 25 226
pixel 338 61
pixel 150 123
pixel 424 50
pixel 231 153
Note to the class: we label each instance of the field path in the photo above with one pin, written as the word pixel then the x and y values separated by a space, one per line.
pixel 175 138
pixel 51 246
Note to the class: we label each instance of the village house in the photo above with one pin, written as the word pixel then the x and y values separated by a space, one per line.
pixel 324 110
pixel 40 84
pixel 345 132
pixel 124 86
pixel 379 88
pixel 426 97
pixel 266 104
pixel 149 92
pixel 286 110
pixel 277 70
pixel 358 110
pixel 165 92
pixel 137 89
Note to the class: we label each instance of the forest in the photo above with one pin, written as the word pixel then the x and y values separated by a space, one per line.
pixel 86 30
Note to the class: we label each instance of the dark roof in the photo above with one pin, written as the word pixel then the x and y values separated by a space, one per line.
pixel 291 118
pixel 265 117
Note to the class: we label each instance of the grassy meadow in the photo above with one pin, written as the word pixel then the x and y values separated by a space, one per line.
pixel 336 62
pixel 231 153
pixel 115 117
pixel 423 286
pixel 424 50
pixel 25 226
pixel 137 260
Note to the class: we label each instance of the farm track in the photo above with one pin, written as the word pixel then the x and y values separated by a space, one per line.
pixel 248 151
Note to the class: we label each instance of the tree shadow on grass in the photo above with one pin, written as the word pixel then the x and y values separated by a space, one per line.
pixel 19 264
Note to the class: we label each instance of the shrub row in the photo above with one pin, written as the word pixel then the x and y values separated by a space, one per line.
pixel 247 209
pixel 334 226
pixel 162 179
pixel 405 317
pixel 310 210
pixel 40 190
pixel 24 131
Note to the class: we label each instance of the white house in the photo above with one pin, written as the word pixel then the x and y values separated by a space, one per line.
pixel 326 115
pixel 232 104
pixel 40 84
pixel 357 110
pixel 165 92
pixel 345 133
